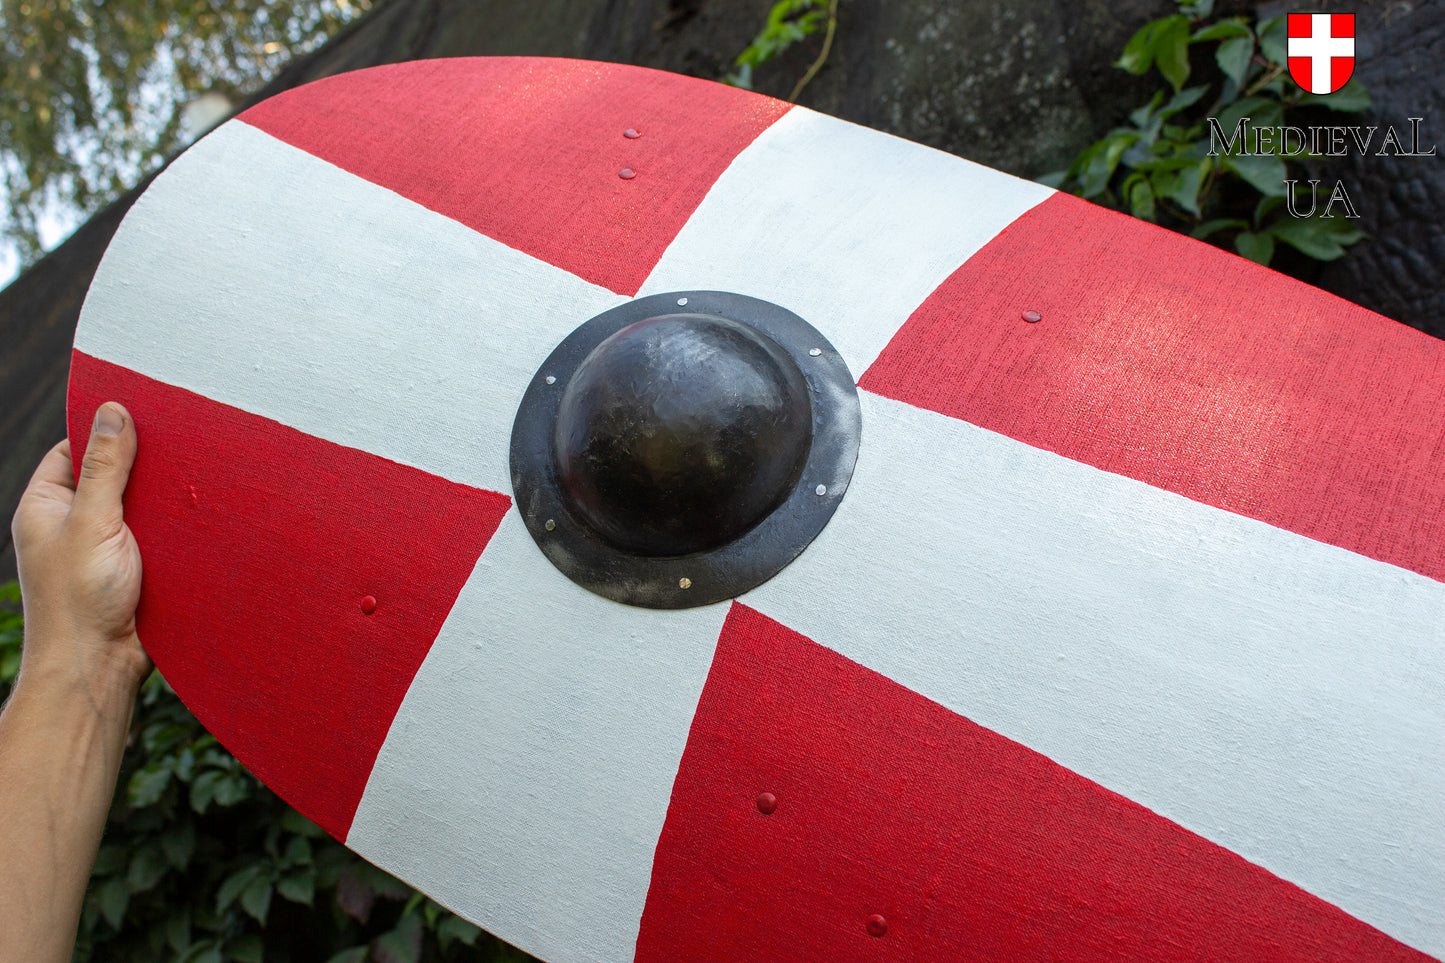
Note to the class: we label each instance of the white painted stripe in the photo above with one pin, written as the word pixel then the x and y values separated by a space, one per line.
pixel 257 275
pixel 1276 695
pixel 526 778
pixel 848 227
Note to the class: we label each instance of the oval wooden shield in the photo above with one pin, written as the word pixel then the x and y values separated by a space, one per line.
pixel 1127 640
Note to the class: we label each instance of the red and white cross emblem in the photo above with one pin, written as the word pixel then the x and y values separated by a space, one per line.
pixel 1321 50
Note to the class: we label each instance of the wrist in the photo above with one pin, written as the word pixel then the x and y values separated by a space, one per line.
pixel 101 677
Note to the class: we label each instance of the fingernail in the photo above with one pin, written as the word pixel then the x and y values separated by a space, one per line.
pixel 108 420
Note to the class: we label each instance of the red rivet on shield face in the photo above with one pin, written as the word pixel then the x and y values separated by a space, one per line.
pixel 368 604
pixel 627 173
pixel 877 925
pixel 767 803
pixel 631 134
pixel 1033 317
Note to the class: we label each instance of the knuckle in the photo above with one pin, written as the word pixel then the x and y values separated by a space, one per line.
pixel 100 460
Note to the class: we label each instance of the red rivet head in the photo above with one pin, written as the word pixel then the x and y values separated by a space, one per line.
pixel 767 803
pixel 627 173
pixel 368 604
pixel 877 925
pixel 1032 317
pixel 631 134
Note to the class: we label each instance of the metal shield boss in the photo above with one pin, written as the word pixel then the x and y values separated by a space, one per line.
pixel 683 448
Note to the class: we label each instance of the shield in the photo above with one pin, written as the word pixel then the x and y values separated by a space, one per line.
pixel 1124 640
pixel 1321 49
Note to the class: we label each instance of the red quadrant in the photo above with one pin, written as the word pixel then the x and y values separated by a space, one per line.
pixel 1169 361
pixel 970 846
pixel 261 545
pixel 528 150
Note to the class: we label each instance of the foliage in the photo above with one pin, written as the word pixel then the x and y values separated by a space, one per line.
pixel 91 90
pixel 1158 167
pixel 789 22
pixel 203 864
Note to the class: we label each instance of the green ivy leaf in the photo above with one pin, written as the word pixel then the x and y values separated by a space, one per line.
pixel 299 887
pixel 1257 109
pixel 1187 183
pixel 1274 41
pixel 1140 115
pixel 179 843
pixel 1265 174
pixel 147 866
pixel 1266 204
pixel 1141 200
pixel 235 884
pixel 298 852
pixel 1218 224
pixel 231 789
pixel 1233 57
pixel 1172 53
pixel 178 932
pixel 1259 248
pixel 114 897
pixel 1351 98
pixel 1313 236
pixel 1150 41
pixel 110 860
pixel 356 954
pixel 455 929
pixel 203 790
pixel 206 952
pixel 1104 161
pixel 1187 97
pixel 256 898
pixel 402 944
pixel 1232 28
pixel 147 785
pixel 248 949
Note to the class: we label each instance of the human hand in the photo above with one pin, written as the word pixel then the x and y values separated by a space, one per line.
pixel 80 568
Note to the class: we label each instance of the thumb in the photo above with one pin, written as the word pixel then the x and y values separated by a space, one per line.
pixel 108 458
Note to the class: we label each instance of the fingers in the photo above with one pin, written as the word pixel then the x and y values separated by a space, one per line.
pixel 55 470
pixel 106 468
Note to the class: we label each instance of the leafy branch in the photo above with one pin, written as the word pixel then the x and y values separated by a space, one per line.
pixel 1163 166
pixel 789 22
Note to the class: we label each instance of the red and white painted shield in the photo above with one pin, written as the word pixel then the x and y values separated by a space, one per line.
pixel 1128 639
pixel 1321 49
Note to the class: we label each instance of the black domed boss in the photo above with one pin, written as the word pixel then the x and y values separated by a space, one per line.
pixel 682 448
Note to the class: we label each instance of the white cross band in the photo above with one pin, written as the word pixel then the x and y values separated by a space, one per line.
pixel 1321 48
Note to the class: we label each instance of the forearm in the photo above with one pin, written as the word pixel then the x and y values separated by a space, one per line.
pixel 61 742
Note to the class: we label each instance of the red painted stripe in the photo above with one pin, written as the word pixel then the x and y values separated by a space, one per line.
pixel 528 150
pixel 261 545
pixel 970 846
pixel 1340 70
pixel 1196 371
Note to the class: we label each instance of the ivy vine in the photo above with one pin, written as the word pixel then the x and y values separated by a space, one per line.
pixel 1167 166
pixel 789 22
